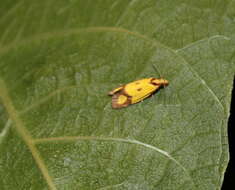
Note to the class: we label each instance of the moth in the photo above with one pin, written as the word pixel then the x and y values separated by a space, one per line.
pixel 136 91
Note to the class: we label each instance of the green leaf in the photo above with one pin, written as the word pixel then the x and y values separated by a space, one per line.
pixel 58 61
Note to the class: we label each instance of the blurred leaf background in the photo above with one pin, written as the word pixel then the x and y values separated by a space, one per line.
pixel 58 60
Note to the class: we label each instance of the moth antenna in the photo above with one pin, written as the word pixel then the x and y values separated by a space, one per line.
pixel 155 68
pixel 157 71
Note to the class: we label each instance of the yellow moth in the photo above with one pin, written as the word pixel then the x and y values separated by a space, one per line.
pixel 136 91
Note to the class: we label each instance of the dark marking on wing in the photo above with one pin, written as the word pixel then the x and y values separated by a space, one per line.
pixel 115 100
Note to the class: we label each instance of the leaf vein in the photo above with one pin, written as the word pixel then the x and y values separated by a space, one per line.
pixel 131 141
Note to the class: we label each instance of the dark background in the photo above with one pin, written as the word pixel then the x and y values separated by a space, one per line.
pixel 229 178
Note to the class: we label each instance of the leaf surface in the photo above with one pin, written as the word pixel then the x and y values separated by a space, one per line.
pixel 58 61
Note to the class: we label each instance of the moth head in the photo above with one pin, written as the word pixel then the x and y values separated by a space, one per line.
pixel 160 82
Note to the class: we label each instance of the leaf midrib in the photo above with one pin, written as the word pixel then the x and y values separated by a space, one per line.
pixel 24 134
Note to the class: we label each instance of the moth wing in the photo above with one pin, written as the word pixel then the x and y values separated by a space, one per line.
pixel 115 90
pixel 143 93
pixel 136 99
pixel 116 100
